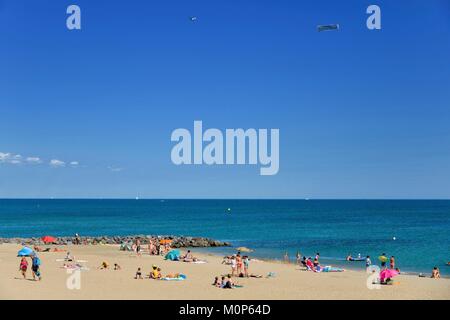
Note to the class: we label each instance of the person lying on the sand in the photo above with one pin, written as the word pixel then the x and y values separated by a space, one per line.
pixel 117 267
pixel 138 274
pixel 435 274
pixel 58 250
pixel 104 266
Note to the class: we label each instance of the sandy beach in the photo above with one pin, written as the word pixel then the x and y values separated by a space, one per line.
pixel 290 282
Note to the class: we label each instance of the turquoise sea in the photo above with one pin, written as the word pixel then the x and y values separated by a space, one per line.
pixel 334 228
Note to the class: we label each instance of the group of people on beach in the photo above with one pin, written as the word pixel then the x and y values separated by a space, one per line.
pixel 35 267
pixel 239 264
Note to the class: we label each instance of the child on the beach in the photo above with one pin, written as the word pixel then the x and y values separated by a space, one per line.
pixel 117 267
pixel 104 266
pixel 23 267
pixel 138 274
pixel 156 273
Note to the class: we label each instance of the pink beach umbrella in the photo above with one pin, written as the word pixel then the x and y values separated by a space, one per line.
pixel 388 273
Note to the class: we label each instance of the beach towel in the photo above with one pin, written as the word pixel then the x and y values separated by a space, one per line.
pixel 332 269
pixel 181 277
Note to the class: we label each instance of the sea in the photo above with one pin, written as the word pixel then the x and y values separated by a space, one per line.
pixel 416 232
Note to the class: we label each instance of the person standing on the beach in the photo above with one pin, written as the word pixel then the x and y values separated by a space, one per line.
pixel 239 264
pixel 23 267
pixel 298 257
pixel 392 262
pixel 138 247
pixel 35 265
pixel 233 265
pixel 246 265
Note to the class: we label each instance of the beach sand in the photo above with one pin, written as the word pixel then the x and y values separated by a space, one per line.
pixel 290 282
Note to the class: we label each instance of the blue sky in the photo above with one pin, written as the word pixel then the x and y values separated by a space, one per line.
pixel 362 114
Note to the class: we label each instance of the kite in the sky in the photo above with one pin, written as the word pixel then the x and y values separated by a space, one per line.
pixel 327 27
pixel 193 19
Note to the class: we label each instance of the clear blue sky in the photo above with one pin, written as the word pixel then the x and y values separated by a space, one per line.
pixel 362 114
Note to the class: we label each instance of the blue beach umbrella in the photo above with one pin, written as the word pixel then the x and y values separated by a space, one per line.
pixel 25 252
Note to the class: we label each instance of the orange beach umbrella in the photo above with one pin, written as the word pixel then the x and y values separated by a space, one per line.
pixel 165 241
pixel 48 239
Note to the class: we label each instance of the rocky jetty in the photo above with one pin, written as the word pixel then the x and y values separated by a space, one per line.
pixel 176 241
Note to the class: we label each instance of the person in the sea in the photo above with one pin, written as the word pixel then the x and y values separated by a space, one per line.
pixel 23 267
pixel 435 274
pixel 138 274
pixel 246 262
pixel 35 266
pixel 392 262
pixel 349 257
pixel 368 262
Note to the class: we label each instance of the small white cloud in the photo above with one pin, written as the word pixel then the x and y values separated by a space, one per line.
pixel 33 160
pixel 7 157
pixel 57 163
pixel 74 163
pixel 115 169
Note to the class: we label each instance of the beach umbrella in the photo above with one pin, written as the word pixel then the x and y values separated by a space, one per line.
pixel 387 274
pixel 48 239
pixel 25 252
pixel 165 241
pixel 244 249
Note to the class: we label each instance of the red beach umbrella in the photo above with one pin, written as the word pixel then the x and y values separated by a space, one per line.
pixel 48 239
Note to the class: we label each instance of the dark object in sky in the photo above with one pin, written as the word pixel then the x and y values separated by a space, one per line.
pixel 327 27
